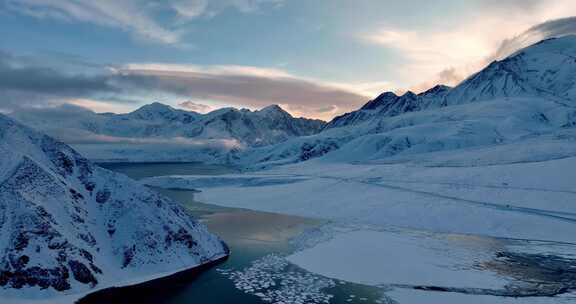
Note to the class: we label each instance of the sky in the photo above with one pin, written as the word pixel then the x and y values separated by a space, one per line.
pixel 316 59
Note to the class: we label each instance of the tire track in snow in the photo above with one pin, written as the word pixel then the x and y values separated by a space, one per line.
pixel 557 215
pixel 478 186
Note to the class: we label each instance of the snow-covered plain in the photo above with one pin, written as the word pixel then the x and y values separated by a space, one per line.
pixel 511 201
pixel 383 257
pixel 423 297
pixel 412 224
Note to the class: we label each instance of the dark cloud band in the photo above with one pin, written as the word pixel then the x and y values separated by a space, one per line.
pixel 39 85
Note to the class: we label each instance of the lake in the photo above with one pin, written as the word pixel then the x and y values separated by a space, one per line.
pixel 258 242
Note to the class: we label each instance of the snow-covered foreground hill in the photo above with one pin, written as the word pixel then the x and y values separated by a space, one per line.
pixel 68 227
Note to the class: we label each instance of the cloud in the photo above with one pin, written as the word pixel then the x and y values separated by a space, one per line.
pixel 196 107
pixel 549 29
pixel 191 9
pixel 100 106
pixel 121 87
pixel 510 5
pixel 214 70
pixel 142 18
pixel 128 15
pixel 429 51
pixel 448 55
pixel 77 136
pixel 240 86
pixel 325 113
pixel 49 81
pixel 23 83
pixel 553 28
pixel 327 109
pixel 64 113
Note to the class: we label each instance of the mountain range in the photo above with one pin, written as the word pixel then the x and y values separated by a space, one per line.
pixel 158 132
pixel 267 126
pixel 543 70
pixel 520 108
pixel 530 94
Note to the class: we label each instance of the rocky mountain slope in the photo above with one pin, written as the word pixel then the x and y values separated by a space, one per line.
pixel 545 70
pixel 68 226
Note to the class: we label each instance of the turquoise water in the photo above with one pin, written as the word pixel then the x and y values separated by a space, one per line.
pixel 250 235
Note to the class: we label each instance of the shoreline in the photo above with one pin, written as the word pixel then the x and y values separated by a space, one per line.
pixel 121 294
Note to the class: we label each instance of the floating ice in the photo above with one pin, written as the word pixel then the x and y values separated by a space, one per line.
pixel 274 280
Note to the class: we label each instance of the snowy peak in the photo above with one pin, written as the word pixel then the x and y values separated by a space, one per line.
pixel 156 107
pixel 498 79
pixel 437 91
pixel 546 69
pixel 269 125
pixel 274 111
pixel 389 104
pixel 521 108
pixel 158 111
pixel 153 109
pixel 383 99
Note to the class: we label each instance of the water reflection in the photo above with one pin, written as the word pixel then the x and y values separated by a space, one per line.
pixel 251 235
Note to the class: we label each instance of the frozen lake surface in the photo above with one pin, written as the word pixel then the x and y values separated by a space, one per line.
pixel 499 233
pixel 256 272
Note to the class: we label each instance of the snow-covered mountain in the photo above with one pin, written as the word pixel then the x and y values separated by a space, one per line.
pixel 527 101
pixel 157 112
pixel 527 97
pixel 68 226
pixel 390 104
pixel 546 69
pixel 269 125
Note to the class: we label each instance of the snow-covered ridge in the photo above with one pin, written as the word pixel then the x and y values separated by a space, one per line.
pixel 523 101
pixel 69 227
pixel 249 128
pixel 390 104
pixel 522 129
pixel 545 70
pixel 157 132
